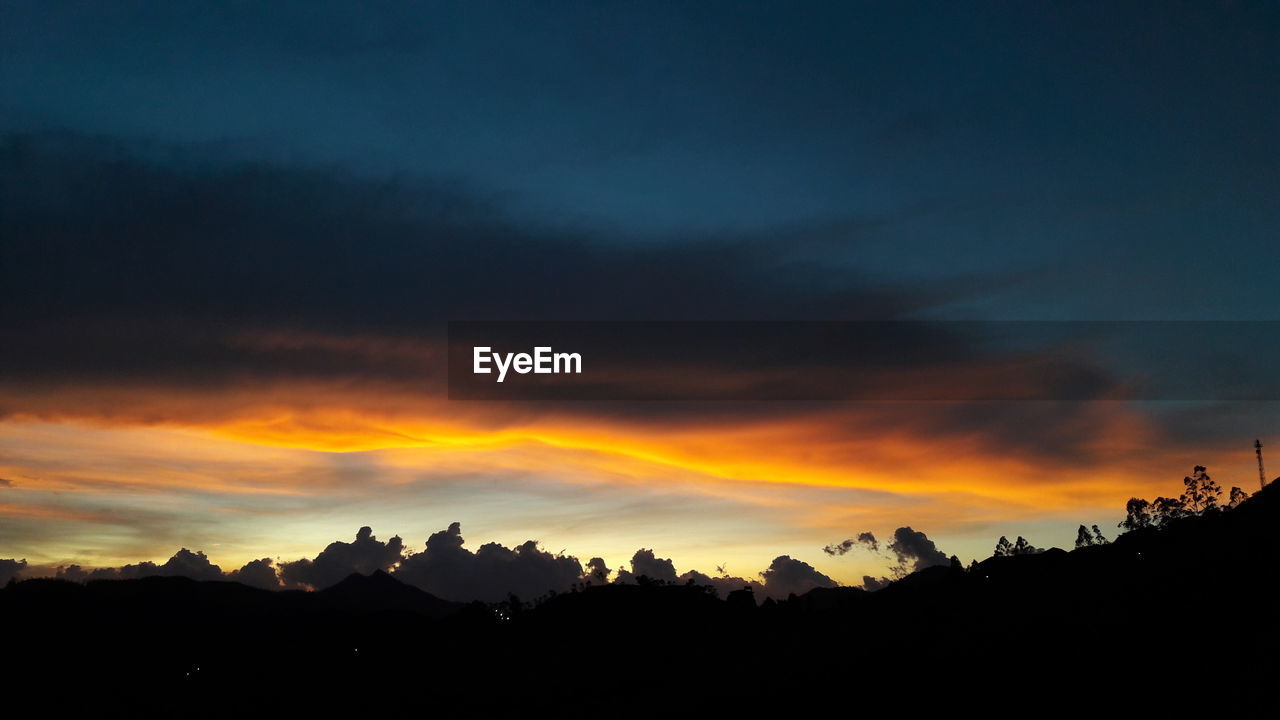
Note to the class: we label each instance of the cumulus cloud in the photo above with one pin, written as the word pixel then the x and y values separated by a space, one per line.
pixel 865 539
pixel 644 564
pixel 448 570
pixel 915 551
pixel 340 559
pixel 9 569
pixel 257 573
pixel 783 577
pixel 132 571
pixel 910 549
pixel 597 571
pixel 184 563
pixel 194 565
pixel 786 575
pixel 723 584
pixel 871 584
pixel 71 573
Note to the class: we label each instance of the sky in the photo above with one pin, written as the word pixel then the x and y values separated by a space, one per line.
pixel 231 235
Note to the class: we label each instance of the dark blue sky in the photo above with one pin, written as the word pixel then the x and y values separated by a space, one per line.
pixel 1082 160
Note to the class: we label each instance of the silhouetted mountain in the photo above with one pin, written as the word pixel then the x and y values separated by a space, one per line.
pixel 1177 617
pixel 379 592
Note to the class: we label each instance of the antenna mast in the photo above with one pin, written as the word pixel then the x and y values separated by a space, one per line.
pixel 1262 476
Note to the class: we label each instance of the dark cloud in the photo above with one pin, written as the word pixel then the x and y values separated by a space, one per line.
pixel 786 575
pixel 911 550
pixel 194 237
pixel 364 555
pixel 182 255
pixel 865 539
pixel 723 584
pixel 194 565
pixel 123 262
pixel 10 568
pixel 915 551
pixel 132 571
pixel 644 564
pixel 117 573
pixel 597 572
pixel 871 584
pixel 257 573
pixel 71 573
pixel 783 577
pixel 184 563
pixel 448 570
pixel 6 482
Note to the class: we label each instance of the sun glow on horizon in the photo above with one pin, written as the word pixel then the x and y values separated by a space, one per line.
pixel 753 487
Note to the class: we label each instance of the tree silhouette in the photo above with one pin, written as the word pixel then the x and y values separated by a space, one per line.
pixel 1089 538
pixel 1201 492
pixel 1237 496
pixel 1138 514
pixel 1003 547
pixel 1022 547
pixel 1165 510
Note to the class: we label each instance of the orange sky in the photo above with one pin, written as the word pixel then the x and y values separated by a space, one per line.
pixel 101 476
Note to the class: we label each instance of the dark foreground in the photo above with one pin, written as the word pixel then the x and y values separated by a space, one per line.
pixel 1179 618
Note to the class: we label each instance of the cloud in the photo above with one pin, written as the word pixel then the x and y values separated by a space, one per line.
pixel 912 551
pixel 915 551
pixel 394 255
pixel 71 573
pixel 644 564
pixel 448 570
pixel 339 560
pixel 871 584
pixel 783 577
pixel 257 573
pixel 9 569
pixel 194 565
pixel 184 563
pixel 597 571
pixel 865 539
pixel 390 261
pixel 723 584
pixel 127 315
pixel 786 576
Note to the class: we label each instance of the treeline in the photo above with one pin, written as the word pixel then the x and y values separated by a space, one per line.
pixel 1201 495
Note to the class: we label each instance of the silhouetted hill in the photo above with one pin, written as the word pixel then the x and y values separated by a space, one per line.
pixel 380 592
pixel 1170 618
